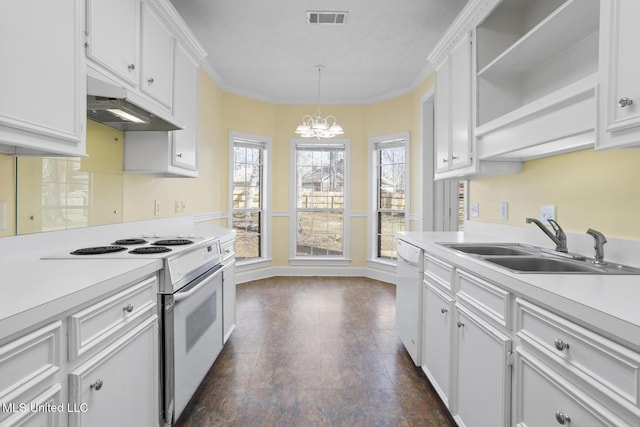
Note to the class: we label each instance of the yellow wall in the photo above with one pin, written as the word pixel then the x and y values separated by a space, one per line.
pixel 597 189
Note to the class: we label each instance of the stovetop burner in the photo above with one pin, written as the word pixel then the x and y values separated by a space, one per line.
pixel 129 242
pixel 172 242
pixel 97 250
pixel 150 250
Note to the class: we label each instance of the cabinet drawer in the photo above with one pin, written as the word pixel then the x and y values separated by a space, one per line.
pixel 228 250
pixel 544 398
pixel 485 298
pixel 594 358
pixel 439 271
pixel 99 322
pixel 28 361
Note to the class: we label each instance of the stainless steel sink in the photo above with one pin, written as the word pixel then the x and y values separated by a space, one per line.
pixel 491 248
pixel 539 264
pixel 520 258
pixel 550 265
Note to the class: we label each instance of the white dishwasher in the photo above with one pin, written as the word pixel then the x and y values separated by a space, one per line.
pixel 410 269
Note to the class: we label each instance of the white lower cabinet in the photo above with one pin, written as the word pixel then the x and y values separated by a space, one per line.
pixel 437 343
pixel 545 398
pixel 118 387
pixel 483 372
pixel 94 365
pixel 498 359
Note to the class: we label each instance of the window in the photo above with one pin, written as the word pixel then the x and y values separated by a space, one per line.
pixel 389 157
pixel 249 199
pixel 320 199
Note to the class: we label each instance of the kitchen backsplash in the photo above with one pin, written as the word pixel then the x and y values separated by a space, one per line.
pixel 58 193
pixel 590 189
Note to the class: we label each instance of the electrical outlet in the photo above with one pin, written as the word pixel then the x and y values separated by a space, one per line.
pixel 504 211
pixel 547 212
pixel 3 215
pixel 156 207
pixel 475 210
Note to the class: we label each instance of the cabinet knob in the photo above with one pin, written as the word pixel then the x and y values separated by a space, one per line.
pixel 562 418
pixel 624 101
pixel 96 385
pixel 128 308
pixel 179 155
pixel 454 157
pixel 460 324
pixel 443 310
pixel 445 160
pixel 131 67
pixel 150 80
pixel 561 345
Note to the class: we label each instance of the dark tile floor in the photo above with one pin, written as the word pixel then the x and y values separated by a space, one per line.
pixel 315 352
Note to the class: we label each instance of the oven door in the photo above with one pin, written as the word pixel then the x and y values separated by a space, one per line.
pixel 197 334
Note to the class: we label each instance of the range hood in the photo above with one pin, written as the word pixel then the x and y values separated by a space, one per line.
pixel 108 103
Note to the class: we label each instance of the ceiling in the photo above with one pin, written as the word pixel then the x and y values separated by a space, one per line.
pixel 266 49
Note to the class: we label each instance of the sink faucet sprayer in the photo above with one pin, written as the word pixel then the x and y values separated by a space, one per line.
pixel 600 240
pixel 560 239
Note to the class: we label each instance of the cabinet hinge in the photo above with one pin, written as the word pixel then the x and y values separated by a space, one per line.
pixel 510 358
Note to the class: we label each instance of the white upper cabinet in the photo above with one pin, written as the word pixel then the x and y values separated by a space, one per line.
pixel 131 43
pixel 113 36
pixel 442 112
pixel 42 78
pixel 537 73
pixel 156 56
pixel 175 153
pixel 619 112
pixel 453 108
pixel 185 109
pixel 526 86
pixel 455 149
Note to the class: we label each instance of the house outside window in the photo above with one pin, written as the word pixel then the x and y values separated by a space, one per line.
pixel 389 183
pixel 249 195
pixel 320 200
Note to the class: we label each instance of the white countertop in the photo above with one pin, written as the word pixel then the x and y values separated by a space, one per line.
pixel 606 303
pixel 34 290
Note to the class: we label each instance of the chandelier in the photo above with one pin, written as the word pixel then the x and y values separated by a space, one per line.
pixel 318 126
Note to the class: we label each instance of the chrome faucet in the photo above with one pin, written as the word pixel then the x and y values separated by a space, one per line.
pixel 559 238
pixel 600 240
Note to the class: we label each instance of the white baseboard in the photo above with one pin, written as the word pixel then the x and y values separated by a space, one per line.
pixel 306 271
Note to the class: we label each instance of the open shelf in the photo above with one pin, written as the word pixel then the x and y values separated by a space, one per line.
pixel 543 47
pixel 566 26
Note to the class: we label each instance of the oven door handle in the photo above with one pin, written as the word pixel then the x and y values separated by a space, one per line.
pixel 179 296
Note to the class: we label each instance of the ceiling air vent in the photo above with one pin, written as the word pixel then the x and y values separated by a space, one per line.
pixel 326 17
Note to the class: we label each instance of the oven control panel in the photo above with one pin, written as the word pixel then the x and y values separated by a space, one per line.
pixel 182 268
